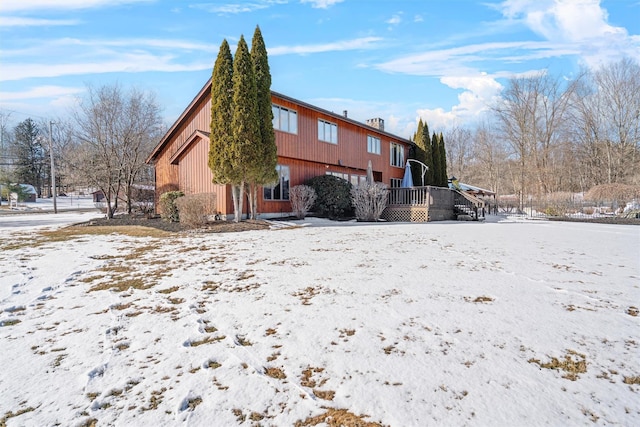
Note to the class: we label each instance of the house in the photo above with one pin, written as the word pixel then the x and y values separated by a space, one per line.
pixel 310 141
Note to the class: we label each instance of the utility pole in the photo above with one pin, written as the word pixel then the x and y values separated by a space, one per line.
pixel 53 170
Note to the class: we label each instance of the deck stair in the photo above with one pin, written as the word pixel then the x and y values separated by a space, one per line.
pixel 467 206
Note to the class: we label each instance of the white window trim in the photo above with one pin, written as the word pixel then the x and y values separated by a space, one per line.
pixel 378 145
pixel 326 122
pixel 289 111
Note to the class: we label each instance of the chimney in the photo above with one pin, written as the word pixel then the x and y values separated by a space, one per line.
pixel 344 113
pixel 376 122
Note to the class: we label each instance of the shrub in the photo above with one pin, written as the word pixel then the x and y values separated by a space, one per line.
pixel 369 201
pixel 302 198
pixel 333 196
pixel 553 211
pixel 168 208
pixel 194 209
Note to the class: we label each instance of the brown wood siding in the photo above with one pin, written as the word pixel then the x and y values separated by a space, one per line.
pixel 196 177
pixel 349 153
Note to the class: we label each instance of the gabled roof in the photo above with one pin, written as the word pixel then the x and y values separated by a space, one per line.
pixel 206 91
pixel 187 143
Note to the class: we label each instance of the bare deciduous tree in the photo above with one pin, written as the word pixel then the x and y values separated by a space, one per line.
pixel 116 131
pixel 531 115
pixel 606 122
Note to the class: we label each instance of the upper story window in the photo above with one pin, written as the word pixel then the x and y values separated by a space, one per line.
pixel 396 153
pixel 373 144
pixel 327 132
pixel 284 119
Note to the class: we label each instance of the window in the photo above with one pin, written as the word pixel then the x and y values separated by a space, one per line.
pixel 344 176
pixel 358 180
pixel 280 190
pixel 327 132
pixel 396 183
pixel 397 155
pixel 373 144
pixel 284 119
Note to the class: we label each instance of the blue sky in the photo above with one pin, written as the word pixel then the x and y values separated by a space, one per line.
pixel 444 61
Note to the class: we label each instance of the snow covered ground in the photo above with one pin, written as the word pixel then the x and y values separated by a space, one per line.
pixel 399 324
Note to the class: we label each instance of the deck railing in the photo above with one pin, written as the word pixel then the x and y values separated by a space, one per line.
pixel 409 196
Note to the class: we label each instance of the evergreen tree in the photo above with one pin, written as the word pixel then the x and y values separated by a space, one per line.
pixel 245 124
pixel 420 153
pixel 435 156
pixel 265 156
pixel 221 116
pixel 30 154
pixel 428 159
pixel 444 179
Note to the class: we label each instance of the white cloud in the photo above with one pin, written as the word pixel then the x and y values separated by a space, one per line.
pixel 418 18
pixel 583 24
pixel 237 7
pixel 39 5
pixel 355 44
pixel 40 92
pixel 131 63
pixel 105 56
pixel 461 61
pixel 321 4
pixel 480 91
pixel 394 20
pixel 12 21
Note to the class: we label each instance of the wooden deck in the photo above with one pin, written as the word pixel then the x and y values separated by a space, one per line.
pixel 419 204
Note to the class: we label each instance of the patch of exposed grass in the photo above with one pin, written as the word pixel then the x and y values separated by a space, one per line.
pixel 58 360
pixel 256 416
pixel 121 284
pixel 91 422
pixel 210 329
pixel 633 311
pixel 169 290
pixel 193 402
pixel 307 294
pixel 176 301
pixel 122 346
pixel 568 364
pixel 307 377
pixel 243 341
pixel 347 332
pixel 276 373
pixel 9 322
pixel 632 380
pixel 121 306
pixel 155 400
pixel 213 364
pixel 479 299
pixel 338 418
pixel 324 395
pixel 76 232
pixel 205 340
pixel 11 414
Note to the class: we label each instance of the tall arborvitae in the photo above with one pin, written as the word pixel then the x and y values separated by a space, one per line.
pixel 244 124
pixel 263 170
pixel 221 116
pixel 444 179
pixel 428 158
pixel 419 153
pixel 435 156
